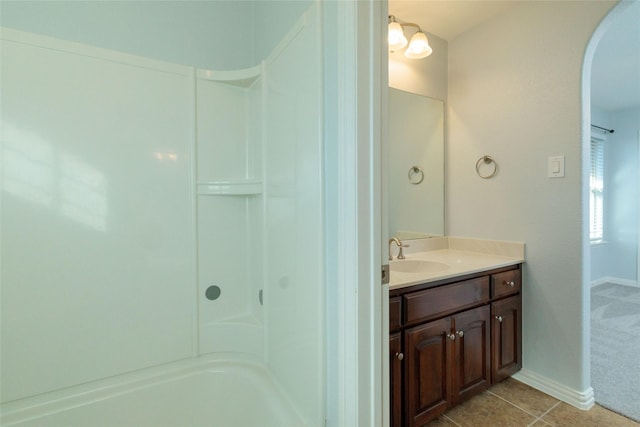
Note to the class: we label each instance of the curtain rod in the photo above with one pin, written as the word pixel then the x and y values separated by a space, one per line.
pixel 604 129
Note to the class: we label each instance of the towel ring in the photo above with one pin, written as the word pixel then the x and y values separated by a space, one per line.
pixel 486 160
pixel 416 176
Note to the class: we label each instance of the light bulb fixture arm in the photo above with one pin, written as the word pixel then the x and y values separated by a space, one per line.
pixel 410 24
pixel 404 24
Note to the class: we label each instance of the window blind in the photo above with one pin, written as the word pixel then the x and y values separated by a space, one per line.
pixel 596 185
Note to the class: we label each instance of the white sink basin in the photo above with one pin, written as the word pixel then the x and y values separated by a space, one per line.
pixel 417 266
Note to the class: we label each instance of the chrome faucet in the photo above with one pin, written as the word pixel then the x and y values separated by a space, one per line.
pixel 400 245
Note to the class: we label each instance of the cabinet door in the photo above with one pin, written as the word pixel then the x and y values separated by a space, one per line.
pixel 472 352
pixel 395 371
pixel 428 350
pixel 506 351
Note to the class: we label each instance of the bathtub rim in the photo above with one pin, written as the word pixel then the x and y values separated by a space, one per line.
pixel 49 403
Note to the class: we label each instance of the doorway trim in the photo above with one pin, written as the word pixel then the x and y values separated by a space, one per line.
pixel 352 132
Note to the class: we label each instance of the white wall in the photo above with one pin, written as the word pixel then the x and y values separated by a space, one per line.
pixel 201 34
pixel 622 199
pixel 625 180
pixel 218 35
pixel 271 22
pixel 515 94
pixel 600 117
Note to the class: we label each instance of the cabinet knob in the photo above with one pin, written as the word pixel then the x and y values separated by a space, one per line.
pixel 451 336
pixel 460 333
pixel 499 319
pixel 399 356
pixel 510 283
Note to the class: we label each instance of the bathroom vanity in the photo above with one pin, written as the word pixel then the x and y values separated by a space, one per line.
pixel 455 323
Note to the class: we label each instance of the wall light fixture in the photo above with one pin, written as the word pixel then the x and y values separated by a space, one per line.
pixel 419 45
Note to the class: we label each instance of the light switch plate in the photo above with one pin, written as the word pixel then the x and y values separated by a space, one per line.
pixel 555 167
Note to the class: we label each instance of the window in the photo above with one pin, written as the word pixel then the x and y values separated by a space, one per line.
pixel 596 186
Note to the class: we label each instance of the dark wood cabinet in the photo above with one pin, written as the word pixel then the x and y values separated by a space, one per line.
pixel 396 357
pixel 506 337
pixel 428 371
pixel 472 351
pixel 450 340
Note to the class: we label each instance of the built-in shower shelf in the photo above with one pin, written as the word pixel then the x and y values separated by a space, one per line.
pixel 229 188
pixel 242 78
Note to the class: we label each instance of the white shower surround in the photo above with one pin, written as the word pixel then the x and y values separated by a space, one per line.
pixel 268 185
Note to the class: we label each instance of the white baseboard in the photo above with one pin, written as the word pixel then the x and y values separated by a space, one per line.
pixel 614 280
pixel 580 399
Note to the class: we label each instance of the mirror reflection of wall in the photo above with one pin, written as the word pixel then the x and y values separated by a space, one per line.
pixel 416 139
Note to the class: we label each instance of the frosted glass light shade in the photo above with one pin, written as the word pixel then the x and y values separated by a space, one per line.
pixel 419 46
pixel 397 40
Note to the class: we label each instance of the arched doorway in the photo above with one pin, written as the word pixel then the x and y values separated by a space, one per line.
pixel 612 101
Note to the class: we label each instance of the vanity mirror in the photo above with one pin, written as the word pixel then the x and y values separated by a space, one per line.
pixel 416 165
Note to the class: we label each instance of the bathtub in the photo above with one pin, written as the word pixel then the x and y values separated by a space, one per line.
pixel 208 391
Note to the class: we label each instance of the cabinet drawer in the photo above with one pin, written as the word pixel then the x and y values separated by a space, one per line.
pixel 506 283
pixel 395 313
pixel 437 302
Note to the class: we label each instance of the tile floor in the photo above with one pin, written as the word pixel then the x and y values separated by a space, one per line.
pixel 514 404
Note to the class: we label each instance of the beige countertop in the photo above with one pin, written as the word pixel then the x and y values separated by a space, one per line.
pixel 460 256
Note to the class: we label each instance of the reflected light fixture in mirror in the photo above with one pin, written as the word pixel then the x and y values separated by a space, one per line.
pixel 418 47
